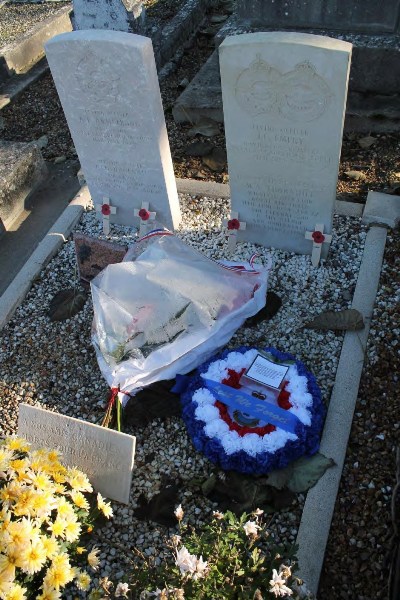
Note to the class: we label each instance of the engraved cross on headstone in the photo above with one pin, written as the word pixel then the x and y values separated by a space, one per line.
pixel 106 210
pixel 146 217
pixel 318 238
pixel 233 225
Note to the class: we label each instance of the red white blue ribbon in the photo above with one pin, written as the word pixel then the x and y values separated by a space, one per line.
pixel 234 268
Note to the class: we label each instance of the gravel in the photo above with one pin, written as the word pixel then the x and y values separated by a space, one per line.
pixel 53 364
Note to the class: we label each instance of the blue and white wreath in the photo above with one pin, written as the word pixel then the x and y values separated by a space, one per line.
pixel 252 446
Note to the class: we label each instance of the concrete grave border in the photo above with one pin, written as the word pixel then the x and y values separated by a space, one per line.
pixel 19 55
pixel 166 42
pixel 320 501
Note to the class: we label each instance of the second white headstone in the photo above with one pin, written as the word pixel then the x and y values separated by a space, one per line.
pixel 108 86
pixel 284 97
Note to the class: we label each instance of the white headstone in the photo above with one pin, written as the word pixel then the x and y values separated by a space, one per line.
pixel 105 455
pixel 108 86
pixel 284 97
pixel 117 15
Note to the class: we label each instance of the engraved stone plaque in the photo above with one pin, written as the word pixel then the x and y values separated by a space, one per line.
pixel 284 97
pixel 105 455
pixel 109 90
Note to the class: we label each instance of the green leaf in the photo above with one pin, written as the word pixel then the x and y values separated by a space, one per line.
pixel 209 484
pixel 307 471
pixel 302 474
pixel 66 304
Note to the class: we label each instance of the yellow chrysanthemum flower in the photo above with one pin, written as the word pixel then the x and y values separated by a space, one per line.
pixel 83 581
pixel 5 519
pixel 43 503
pixel 7 495
pixel 65 509
pixel 80 550
pixel 19 464
pixel 8 563
pixel 79 500
pixel 15 592
pixel 20 533
pixel 59 476
pixel 16 443
pixel 54 456
pixel 33 557
pixel 41 481
pixel 5 585
pixel 51 546
pixel 58 527
pixel 6 456
pixel 58 576
pixel 49 593
pixel 72 531
pixel 23 505
pixel 105 507
pixel 79 481
pixel 60 489
pixel 61 560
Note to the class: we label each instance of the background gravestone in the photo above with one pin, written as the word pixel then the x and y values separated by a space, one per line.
pixel 373 28
pixel 117 15
pixel 284 97
pixel 111 98
pixel 357 15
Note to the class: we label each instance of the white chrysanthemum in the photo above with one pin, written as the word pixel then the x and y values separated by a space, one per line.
pixel 278 585
pixel 185 561
pixel 251 528
pixel 122 589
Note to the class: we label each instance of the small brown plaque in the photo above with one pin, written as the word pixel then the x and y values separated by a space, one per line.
pixel 94 255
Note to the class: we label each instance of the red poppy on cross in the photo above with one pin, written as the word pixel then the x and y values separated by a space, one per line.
pixel 233 225
pixel 318 238
pixel 106 210
pixel 146 217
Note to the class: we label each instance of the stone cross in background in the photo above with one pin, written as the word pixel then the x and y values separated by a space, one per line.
pixel 117 15
pixel 284 97
pixel 111 98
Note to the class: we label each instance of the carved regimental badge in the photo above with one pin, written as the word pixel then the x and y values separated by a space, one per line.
pixel 93 77
pixel 301 95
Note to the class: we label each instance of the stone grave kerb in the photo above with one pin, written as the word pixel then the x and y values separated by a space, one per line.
pixel 108 86
pixel 284 97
